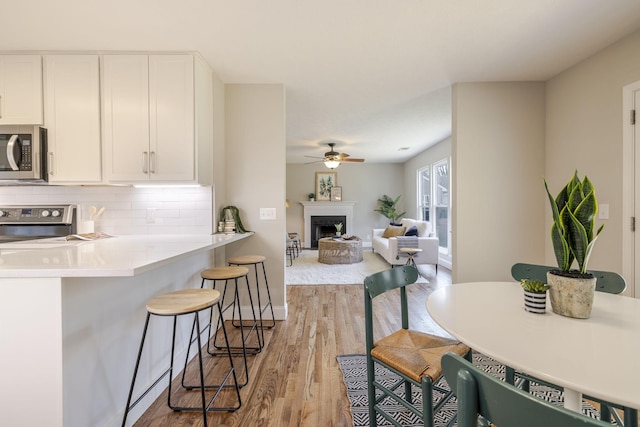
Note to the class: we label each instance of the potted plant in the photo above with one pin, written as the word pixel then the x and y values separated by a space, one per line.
pixel 338 227
pixel 388 208
pixel 312 197
pixel 535 295
pixel 574 212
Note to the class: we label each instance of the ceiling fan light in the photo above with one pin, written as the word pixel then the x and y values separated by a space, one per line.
pixel 331 164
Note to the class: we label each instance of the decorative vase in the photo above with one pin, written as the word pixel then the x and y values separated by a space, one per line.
pixel 571 296
pixel 535 302
pixel 338 234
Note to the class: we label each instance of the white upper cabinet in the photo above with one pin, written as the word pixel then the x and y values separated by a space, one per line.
pixel 20 90
pixel 148 118
pixel 72 117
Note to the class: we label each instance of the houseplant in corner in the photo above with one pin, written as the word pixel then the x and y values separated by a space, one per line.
pixel 388 208
pixel 574 212
pixel 535 295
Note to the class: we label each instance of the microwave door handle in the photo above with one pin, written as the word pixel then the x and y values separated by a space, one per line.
pixel 10 157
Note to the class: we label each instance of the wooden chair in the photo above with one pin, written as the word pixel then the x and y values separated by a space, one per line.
pixel 606 281
pixel 481 394
pixel 413 356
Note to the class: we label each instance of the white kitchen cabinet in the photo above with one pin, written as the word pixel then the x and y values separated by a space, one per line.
pixel 148 118
pixel 72 118
pixel 20 90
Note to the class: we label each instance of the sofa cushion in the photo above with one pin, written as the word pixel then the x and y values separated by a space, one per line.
pixel 412 231
pixel 422 226
pixel 392 231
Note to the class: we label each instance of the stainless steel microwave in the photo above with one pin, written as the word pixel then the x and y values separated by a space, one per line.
pixel 23 152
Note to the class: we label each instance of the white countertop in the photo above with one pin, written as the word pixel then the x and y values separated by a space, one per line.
pixel 109 257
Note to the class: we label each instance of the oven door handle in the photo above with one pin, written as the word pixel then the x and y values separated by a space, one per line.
pixel 11 146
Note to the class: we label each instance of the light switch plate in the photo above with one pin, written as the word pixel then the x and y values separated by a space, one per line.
pixel 268 213
pixel 603 211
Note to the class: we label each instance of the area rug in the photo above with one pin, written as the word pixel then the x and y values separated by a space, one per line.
pixel 354 371
pixel 306 270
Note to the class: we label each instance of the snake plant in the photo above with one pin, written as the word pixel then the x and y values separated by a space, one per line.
pixel 574 212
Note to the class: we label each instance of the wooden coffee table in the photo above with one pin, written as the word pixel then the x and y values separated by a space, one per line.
pixel 339 251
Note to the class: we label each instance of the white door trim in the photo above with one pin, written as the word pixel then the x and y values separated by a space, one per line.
pixel 629 166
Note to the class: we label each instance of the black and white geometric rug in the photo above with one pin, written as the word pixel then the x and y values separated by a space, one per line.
pixel 354 374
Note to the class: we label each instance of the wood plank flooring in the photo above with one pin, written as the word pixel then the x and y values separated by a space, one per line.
pixel 295 380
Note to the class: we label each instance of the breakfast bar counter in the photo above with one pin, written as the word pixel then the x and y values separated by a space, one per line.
pixel 71 316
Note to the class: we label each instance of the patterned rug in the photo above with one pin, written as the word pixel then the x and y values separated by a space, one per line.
pixel 354 371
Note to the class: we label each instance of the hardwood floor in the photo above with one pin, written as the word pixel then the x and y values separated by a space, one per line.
pixel 295 380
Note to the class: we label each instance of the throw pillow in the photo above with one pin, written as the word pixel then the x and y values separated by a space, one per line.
pixel 392 231
pixel 412 231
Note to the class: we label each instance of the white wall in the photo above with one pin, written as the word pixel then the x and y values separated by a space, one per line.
pixel 498 195
pixel 363 183
pixel 584 132
pixel 256 174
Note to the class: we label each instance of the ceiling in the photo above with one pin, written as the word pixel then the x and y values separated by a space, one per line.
pixel 374 76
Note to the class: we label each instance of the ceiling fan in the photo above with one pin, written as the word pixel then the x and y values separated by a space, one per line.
pixel 332 159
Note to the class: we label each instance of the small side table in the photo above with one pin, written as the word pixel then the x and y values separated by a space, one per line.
pixel 411 252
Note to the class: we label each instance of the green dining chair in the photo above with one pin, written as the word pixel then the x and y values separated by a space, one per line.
pixel 481 394
pixel 606 281
pixel 412 355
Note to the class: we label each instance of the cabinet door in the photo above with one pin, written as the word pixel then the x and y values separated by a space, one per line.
pixel 125 98
pixel 20 90
pixel 171 119
pixel 72 117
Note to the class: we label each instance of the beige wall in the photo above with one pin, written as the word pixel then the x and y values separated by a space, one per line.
pixel 255 175
pixel 498 194
pixel 363 183
pixel 584 132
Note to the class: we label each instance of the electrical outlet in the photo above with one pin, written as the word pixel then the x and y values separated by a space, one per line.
pixel 268 213
pixel 603 211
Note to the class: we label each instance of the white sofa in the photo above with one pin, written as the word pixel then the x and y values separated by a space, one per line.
pixel 388 247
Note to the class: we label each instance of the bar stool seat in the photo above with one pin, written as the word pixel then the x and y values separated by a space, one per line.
pixel 226 274
pixel 255 260
pixel 178 303
pixel 411 252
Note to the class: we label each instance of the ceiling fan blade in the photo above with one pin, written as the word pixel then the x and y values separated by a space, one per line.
pixel 349 159
pixel 315 161
pixel 314 157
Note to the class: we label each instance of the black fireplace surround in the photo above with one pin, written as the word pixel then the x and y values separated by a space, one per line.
pixel 324 226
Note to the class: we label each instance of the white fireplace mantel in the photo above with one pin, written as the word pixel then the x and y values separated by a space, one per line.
pixel 322 209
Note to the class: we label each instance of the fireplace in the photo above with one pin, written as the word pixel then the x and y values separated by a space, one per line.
pixel 324 226
pixel 337 211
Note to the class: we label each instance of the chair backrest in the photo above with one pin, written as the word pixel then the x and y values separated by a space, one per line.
pixel 480 393
pixel 606 281
pixel 379 283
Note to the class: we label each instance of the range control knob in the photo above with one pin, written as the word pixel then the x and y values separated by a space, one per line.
pixel 45 213
pixel 3 213
pixel 55 213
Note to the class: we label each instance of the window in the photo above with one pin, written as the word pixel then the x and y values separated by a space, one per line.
pixel 434 198
pixel 424 192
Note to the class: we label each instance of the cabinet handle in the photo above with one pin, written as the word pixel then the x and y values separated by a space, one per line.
pixel 50 166
pixel 152 162
pixel 145 162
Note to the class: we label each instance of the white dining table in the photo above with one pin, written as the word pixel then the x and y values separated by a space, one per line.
pixel 598 356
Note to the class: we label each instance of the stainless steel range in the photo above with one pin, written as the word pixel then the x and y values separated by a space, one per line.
pixel 28 222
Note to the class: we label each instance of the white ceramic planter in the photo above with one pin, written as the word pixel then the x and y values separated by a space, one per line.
pixel 571 297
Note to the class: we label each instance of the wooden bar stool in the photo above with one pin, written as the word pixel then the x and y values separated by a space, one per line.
pixel 178 303
pixel 225 275
pixel 411 252
pixel 255 260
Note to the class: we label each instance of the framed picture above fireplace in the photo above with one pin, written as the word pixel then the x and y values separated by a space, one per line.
pixel 325 181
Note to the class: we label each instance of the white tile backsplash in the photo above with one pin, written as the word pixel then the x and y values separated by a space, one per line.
pixel 178 210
